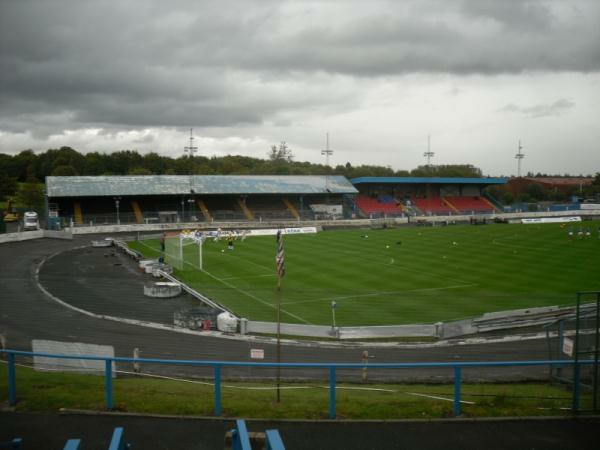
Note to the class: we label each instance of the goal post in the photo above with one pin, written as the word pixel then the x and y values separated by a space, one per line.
pixel 183 253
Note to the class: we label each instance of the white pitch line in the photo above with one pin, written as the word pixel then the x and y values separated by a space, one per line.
pixel 255 297
pixel 222 280
pixel 268 269
pixel 375 294
pixel 253 276
pixel 397 263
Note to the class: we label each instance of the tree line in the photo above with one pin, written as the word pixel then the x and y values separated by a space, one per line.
pixel 28 166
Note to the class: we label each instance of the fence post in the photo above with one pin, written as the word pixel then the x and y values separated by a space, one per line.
pixel 457 384
pixel 108 387
pixel 12 380
pixel 576 387
pixel 332 392
pixel 217 391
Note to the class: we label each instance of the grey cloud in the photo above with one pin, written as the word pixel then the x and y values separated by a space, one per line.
pixel 556 108
pixel 211 63
pixel 521 15
pixel 146 139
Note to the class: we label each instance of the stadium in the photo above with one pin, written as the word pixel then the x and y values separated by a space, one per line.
pixel 373 271
pixel 420 249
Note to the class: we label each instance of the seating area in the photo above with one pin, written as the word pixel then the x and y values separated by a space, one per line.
pixel 453 205
pixel 434 205
pixel 471 204
pixel 268 207
pixel 369 205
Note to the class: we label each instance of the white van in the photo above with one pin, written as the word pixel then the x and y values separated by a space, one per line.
pixel 30 221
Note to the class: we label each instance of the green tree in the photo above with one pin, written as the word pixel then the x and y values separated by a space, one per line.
pixel 139 171
pixel 8 185
pixel 536 192
pixel 95 164
pixel 507 198
pixel 64 171
pixel 22 164
pixel 281 153
pixel 32 196
pixel 155 163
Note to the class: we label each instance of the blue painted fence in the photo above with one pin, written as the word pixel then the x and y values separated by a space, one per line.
pixel 332 367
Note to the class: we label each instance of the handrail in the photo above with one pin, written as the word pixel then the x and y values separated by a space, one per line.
pixel 371 365
pixel 218 365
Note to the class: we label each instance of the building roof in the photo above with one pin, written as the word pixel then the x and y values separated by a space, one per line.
pixel 427 180
pixel 199 184
pixel 561 181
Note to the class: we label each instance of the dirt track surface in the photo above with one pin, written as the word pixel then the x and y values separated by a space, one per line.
pixel 106 285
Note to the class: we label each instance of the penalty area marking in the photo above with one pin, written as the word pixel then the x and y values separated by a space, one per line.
pixel 255 297
pixel 221 280
pixel 250 276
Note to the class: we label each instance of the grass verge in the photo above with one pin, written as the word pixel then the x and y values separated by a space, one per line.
pixel 48 392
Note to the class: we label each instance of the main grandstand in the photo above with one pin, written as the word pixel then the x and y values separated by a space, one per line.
pixel 195 198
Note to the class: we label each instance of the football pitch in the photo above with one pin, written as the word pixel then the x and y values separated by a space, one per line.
pixel 397 276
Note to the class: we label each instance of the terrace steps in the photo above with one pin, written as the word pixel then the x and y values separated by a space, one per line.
pixel 291 208
pixel 139 217
pixel 78 213
pixel 205 212
pixel 490 203
pixel 245 209
pixel 450 205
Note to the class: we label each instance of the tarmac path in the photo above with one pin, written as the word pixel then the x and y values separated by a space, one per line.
pixel 206 434
pixel 105 285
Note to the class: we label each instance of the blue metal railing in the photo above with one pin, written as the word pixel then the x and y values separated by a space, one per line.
pixel 332 367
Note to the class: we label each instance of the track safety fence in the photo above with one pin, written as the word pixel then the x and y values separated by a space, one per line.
pixel 217 367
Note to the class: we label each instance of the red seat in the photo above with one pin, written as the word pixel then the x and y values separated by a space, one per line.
pixel 433 205
pixel 470 204
pixel 370 205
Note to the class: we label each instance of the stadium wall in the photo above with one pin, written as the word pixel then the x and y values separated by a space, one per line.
pixel 37 234
pixel 355 223
pixel 320 331
pixel 500 320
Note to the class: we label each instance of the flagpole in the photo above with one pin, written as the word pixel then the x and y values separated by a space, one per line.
pixel 278 339
pixel 280 264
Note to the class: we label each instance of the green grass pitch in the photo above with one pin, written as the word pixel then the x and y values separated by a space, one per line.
pixel 398 276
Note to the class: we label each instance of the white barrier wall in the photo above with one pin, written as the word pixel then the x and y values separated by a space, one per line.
pixel 23 236
pixel 36 234
pixel 71 349
pixel 321 331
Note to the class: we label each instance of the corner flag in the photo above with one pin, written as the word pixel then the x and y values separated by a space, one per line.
pixel 280 257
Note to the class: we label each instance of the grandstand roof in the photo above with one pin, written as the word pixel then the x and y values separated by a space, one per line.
pixel 200 184
pixel 426 180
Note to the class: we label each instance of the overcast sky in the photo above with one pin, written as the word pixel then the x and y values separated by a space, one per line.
pixel 379 76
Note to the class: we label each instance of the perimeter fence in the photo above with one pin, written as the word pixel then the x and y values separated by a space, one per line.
pixel 331 370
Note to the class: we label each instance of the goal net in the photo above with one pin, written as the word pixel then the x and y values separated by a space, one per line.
pixel 183 253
